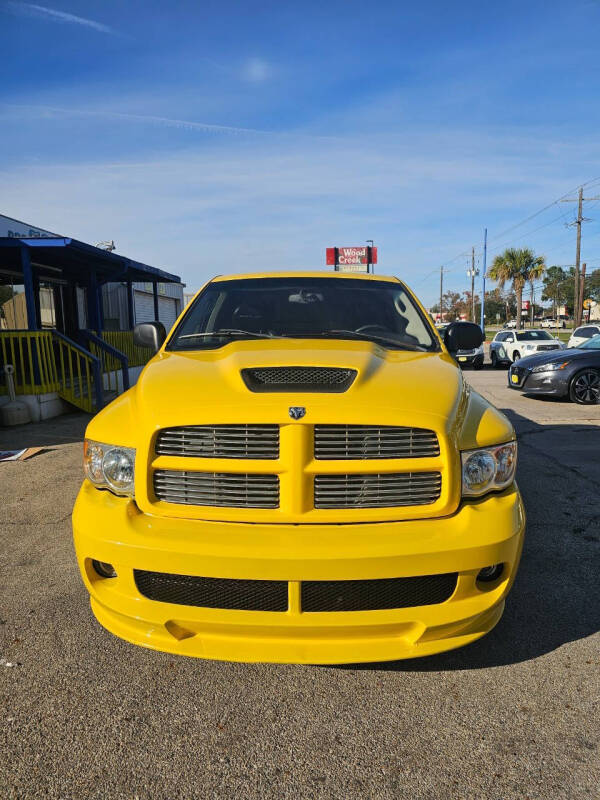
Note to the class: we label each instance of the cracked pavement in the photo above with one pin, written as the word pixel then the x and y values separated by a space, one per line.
pixel 515 715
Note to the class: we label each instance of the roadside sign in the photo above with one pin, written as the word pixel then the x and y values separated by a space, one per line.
pixel 351 259
pixel 588 303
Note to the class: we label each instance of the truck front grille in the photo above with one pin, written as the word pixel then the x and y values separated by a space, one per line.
pixel 298 379
pixel 374 441
pixel 189 590
pixel 256 595
pixel 378 594
pixel 377 490
pixel 219 441
pixel 233 490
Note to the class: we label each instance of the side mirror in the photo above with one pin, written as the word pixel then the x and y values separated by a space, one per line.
pixel 462 336
pixel 149 334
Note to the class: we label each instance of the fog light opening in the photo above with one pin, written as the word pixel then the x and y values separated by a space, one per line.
pixel 492 573
pixel 104 569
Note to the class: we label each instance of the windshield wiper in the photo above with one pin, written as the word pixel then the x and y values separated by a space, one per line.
pixel 375 337
pixel 229 332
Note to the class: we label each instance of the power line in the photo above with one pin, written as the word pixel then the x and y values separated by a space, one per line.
pixel 578 222
pixel 499 235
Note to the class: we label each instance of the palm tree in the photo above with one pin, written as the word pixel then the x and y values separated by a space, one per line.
pixel 517 267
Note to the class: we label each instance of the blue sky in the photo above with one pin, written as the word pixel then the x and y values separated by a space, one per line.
pixel 210 137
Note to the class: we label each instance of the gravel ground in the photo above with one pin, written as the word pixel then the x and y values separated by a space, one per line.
pixel 515 715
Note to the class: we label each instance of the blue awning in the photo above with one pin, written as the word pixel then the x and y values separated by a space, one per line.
pixel 77 261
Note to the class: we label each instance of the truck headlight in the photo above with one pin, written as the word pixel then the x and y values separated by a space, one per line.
pixel 109 466
pixel 488 469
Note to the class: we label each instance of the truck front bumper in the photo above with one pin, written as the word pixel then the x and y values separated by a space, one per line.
pixel 481 533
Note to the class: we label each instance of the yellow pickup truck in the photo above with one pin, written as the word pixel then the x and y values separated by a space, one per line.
pixel 301 474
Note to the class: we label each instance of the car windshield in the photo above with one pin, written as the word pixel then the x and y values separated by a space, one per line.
pixel 535 336
pixel 591 344
pixel 340 308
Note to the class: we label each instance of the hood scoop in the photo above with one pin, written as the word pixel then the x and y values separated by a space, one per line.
pixel 298 379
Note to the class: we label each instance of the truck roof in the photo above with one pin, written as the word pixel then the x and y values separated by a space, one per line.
pixel 305 273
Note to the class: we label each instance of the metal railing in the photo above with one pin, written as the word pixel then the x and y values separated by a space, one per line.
pixel 111 361
pixel 123 341
pixel 48 361
pixel 32 355
pixel 80 374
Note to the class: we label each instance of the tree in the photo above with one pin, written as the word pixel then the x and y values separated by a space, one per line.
pixel 498 306
pixel 6 292
pixel 452 306
pixel 517 267
pixel 592 285
pixel 558 287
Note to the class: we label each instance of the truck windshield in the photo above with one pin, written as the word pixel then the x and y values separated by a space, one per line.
pixel 340 308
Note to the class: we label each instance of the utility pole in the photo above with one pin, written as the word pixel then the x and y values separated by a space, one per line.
pixel 532 303
pixel 582 291
pixel 578 255
pixel 483 282
pixel 441 293
pixel 472 273
pixel 578 299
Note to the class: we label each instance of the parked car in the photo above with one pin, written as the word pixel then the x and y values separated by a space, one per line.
pixel 509 346
pixel 582 334
pixel 512 323
pixel 471 358
pixel 553 323
pixel 466 358
pixel 300 474
pixel 573 373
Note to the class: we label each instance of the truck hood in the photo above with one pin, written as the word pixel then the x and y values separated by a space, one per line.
pixel 391 387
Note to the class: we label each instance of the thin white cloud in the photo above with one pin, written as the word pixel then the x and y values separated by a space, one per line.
pixel 53 15
pixel 182 124
pixel 256 70
pixel 149 119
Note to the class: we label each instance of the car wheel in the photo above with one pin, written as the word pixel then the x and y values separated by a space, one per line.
pixel 585 387
pixel 494 358
pixel 516 355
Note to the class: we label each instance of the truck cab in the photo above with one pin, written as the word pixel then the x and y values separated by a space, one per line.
pixel 301 474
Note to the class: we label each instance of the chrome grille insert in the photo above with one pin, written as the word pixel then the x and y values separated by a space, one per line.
pixel 335 442
pixel 219 441
pixel 232 490
pixel 377 490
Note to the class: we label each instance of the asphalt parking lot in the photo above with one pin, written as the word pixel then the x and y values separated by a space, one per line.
pixel 515 715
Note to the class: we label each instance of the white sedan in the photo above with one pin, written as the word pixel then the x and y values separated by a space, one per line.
pixel 509 346
pixel 582 334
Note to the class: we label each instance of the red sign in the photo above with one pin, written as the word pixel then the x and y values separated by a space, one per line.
pixel 350 256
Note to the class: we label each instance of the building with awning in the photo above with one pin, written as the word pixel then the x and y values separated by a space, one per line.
pixel 67 311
